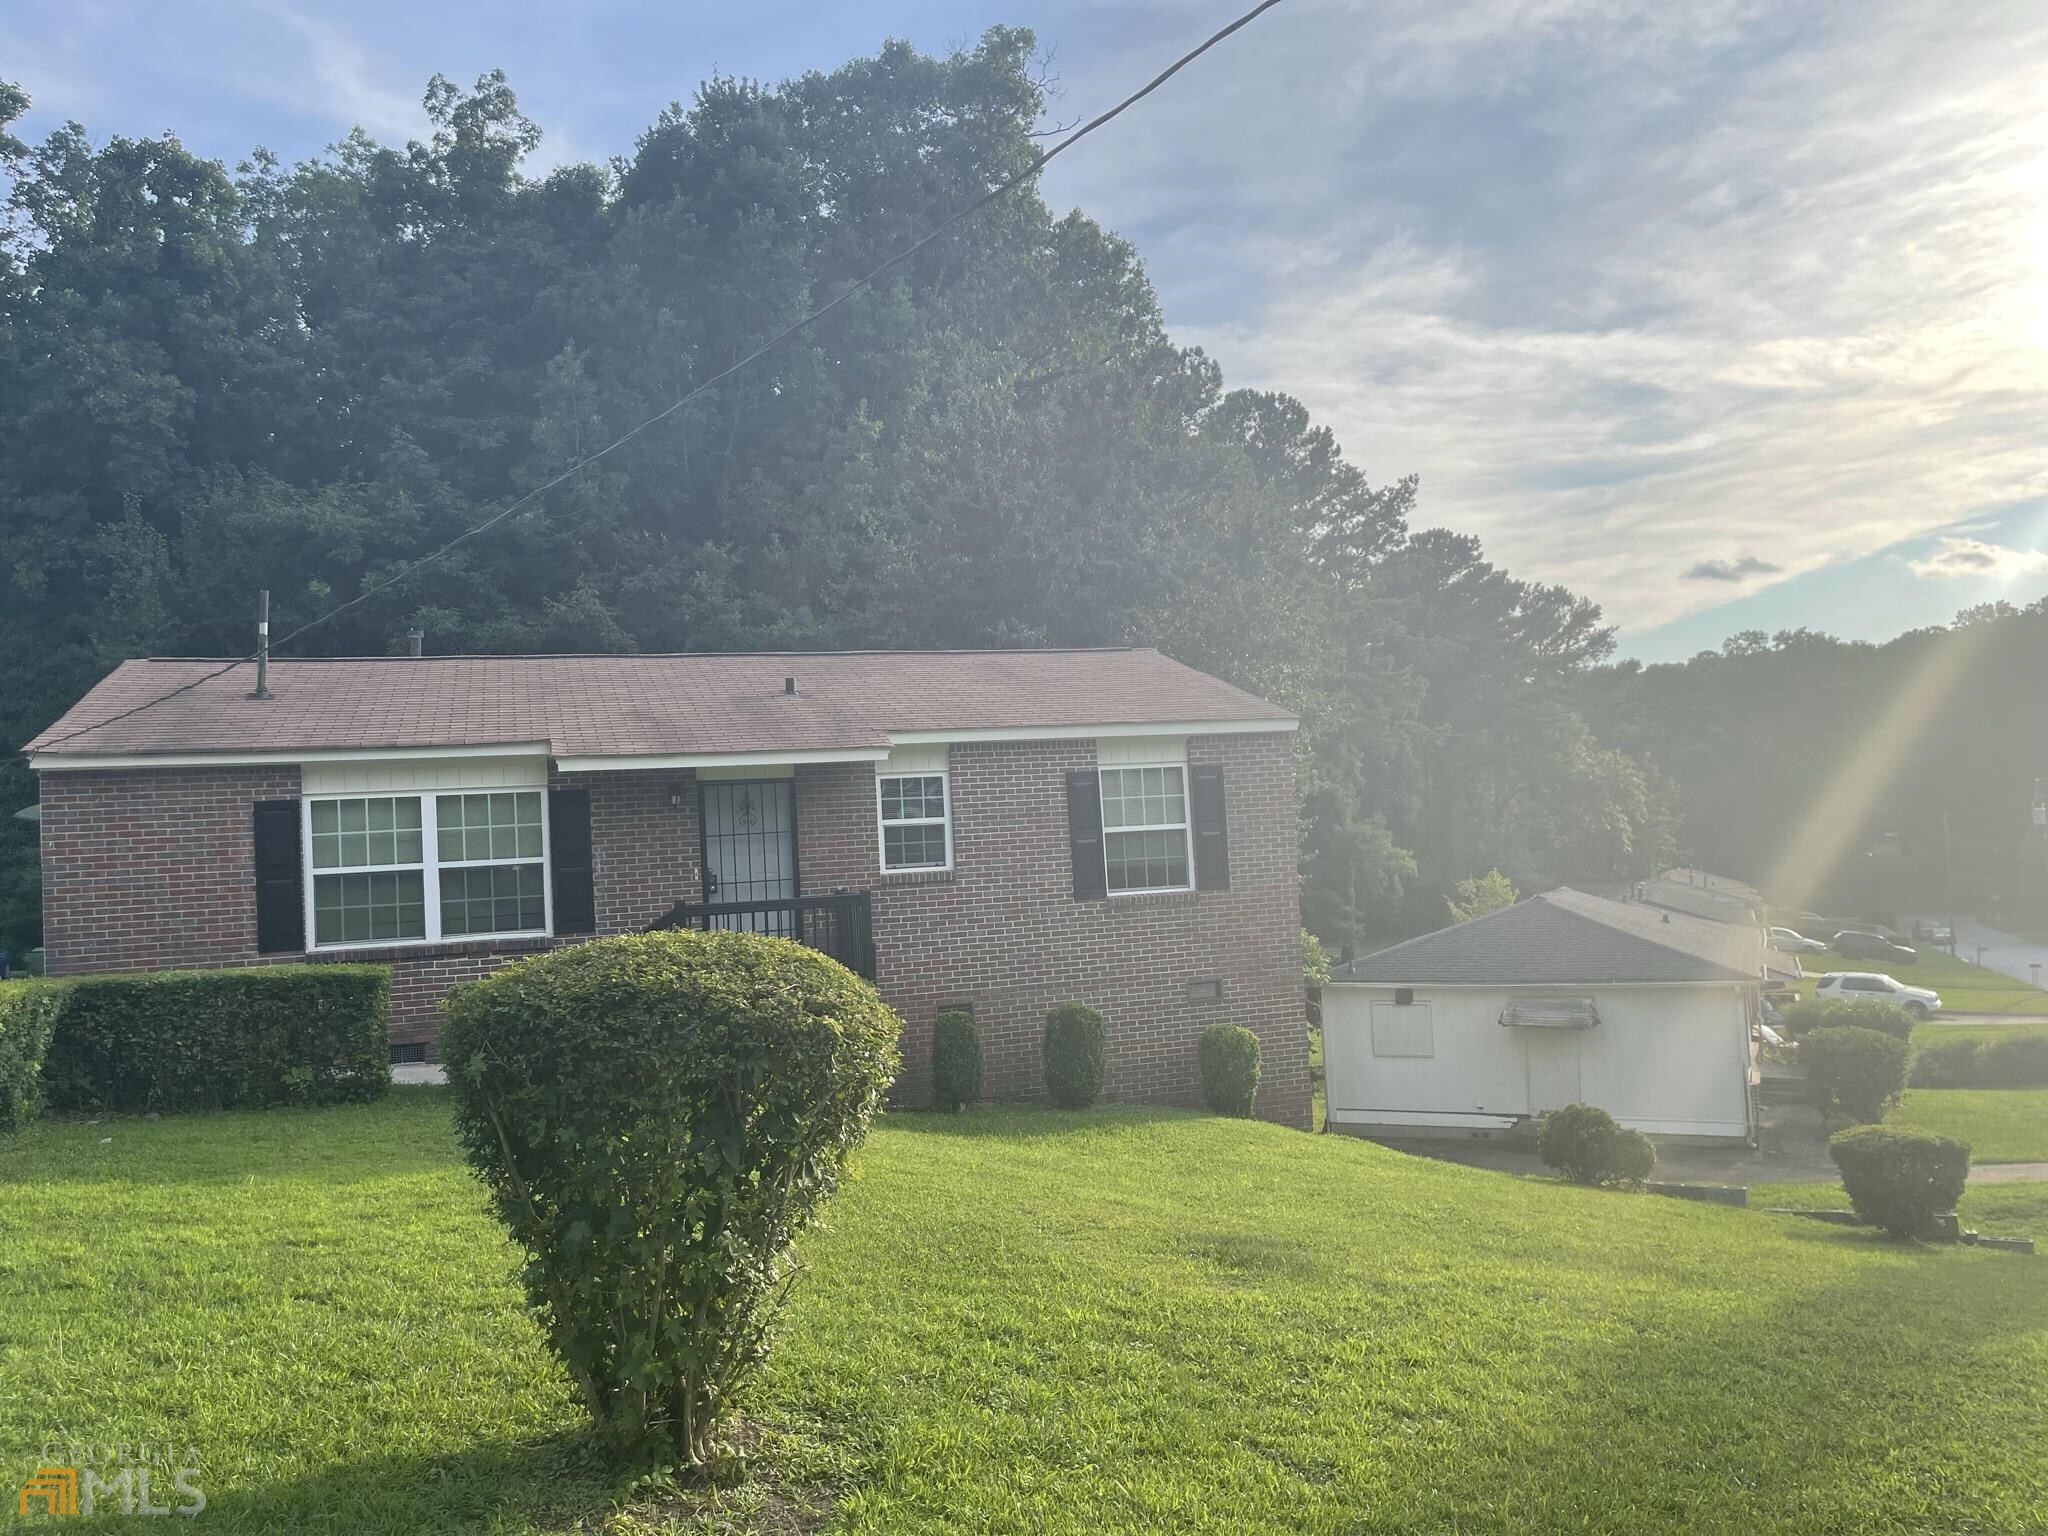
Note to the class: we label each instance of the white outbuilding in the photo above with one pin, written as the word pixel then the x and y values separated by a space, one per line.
pixel 1562 999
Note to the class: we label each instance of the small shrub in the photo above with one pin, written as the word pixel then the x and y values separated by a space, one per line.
pixel 28 1013
pixel 1074 1050
pixel 1948 1064
pixel 1229 1056
pixel 2020 1061
pixel 657 1116
pixel 250 1038
pixel 956 1060
pixel 1859 1073
pixel 1583 1143
pixel 1814 1013
pixel 1897 1179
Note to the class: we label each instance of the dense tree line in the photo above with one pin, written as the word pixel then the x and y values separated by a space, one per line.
pixel 302 377
pixel 1858 777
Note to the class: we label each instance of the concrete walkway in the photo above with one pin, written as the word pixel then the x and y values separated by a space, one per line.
pixel 2008 1173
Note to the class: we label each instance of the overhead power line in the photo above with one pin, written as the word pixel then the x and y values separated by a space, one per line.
pixel 1001 189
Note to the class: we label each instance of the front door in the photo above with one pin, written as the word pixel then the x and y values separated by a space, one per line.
pixel 749 849
pixel 1553 1068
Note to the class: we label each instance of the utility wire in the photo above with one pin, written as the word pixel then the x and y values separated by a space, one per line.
pixel 1002 188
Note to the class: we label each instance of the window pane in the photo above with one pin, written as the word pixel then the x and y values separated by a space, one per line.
pixel 370 830
pixel 497 898
pixel 474 828
pixel 1146 861
pixel 362 909
pixel 914 847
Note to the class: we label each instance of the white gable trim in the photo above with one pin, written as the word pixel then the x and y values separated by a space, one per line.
pixel 1096 732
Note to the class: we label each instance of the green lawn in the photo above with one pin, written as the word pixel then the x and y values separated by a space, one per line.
pixel 1983 1034
pixel 1023 1321
pixel 2002 1125
pixel 2003 1210
pixel 1964 988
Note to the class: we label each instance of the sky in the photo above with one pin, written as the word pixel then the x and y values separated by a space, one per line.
pixel 1727 315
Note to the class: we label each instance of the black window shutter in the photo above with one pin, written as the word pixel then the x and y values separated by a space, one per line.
pixel 569 851
pixel 280 888
pixel 1084 833
pixel 1212 837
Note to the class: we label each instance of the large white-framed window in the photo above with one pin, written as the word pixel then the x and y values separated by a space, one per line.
pixel 1145 840
pixel 916 818
pixel 386 869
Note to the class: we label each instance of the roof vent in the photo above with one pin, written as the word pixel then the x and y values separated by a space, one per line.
pixel 789 687
pixel 1667 917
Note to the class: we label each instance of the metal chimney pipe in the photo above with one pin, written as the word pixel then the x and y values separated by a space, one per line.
pixel 414 639
pixel 789 686
pixel 262 646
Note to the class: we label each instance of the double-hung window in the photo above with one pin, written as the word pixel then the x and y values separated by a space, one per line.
pixel 1145 828
pixel 915 830
pixel 396 869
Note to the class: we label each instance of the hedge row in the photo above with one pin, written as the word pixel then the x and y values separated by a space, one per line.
pixel 28 1012
pixel 229 1039
pixel 2020 1062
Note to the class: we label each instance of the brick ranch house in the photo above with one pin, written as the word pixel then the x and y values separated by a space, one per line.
pixel 998 829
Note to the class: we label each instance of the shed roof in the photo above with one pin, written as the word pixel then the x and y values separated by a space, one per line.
pixel 1568 938
pixel 608 706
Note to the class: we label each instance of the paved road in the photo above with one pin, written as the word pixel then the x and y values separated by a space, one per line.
pixel 2002 951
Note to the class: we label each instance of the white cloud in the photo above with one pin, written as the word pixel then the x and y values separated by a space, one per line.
pixel 1957 559
pixel 1630 285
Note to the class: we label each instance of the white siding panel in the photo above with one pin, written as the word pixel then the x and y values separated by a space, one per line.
pixel 371 776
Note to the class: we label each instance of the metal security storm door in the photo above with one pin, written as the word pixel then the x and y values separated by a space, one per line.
pixel 749 849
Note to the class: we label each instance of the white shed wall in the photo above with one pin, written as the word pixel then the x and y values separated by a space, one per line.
pixel 1670 1060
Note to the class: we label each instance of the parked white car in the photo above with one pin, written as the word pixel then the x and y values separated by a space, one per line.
pixel 1867 986
pixel 1789 942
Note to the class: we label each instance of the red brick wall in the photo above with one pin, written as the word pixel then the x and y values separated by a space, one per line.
pixel 1002 932
pixel 153 868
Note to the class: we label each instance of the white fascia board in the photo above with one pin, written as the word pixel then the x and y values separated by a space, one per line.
pixel 721 759
pixel 1095 732
pixel 62 762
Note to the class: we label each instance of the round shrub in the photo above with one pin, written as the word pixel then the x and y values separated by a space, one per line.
pixel 657 1116
pixel 1854 1072
pixel 1865 1013
pixel 1900 1180
pixel 1948 1064
pixel 956 1060
pixel 1229 1056
pixel 2021 1061
pixel 1583 1143
pixel 1074 1056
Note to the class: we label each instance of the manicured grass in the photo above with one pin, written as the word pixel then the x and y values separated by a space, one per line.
pixel 1026 1321
pixel 1964 988
pixel 2003 1210
pixel 2002 1125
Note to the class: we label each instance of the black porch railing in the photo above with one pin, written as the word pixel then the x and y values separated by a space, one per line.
pixel 840 925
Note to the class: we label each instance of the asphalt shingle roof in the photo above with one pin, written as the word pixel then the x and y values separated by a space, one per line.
pixel 1567 938
pixel 597 706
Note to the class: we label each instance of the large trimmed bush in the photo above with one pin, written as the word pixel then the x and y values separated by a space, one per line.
pixel 1582 1142
pixel 956 1060
pixel 1075 1051
pixel 1859 1073
pixel 1898 1179
pixel 657 1116
pixel 28 1013
pixel 1947 1064
pixel 252 1038
pixel 1229 1055
pixel 1814 1013
pixel 2019 1061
